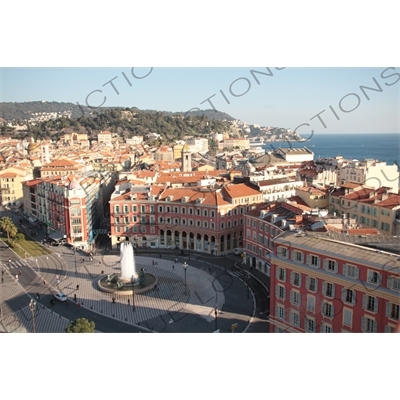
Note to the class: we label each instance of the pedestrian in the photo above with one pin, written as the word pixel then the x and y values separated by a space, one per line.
pixel 44 282
pixel 9 260
pixel 16 278
pixel 57 278
pixel 2 280
pixel 77 287
pixel 102 272
pixel 153 262
pixel 2 272
pixel 160 256
pixel 79 305
pixel 129 302
pixel 75 297
pixel 173 266
pixel 37 296
pixel 113 299
pixel 209 269
pixel 19 272
pixel 99 262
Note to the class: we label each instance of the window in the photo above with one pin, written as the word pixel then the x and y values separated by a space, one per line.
pixel 312 284
pixel 160 209
pixel 313 261
pixel 134 208
pixel 280 312
pixel 295 279
pixel 392 310
pixel 328 289
pixel 393 283
pixel 282 252
pixel 370 303
pixel 349 296
pixel 281 274
pixel 212 214
pixel 281 292
pixel 266 228
pixel 142 209
pixel 368 325
pixel 327 310
pixel 309 325
pixel 310 303
pixel 347 317
pixel 297 256
pixel 326 328
pixel 266 241
pixel 350 270
pixel 190 211
pixel 294 318
pixel 126 209
pixel 374 277
pixel 330 265
pixel 295 297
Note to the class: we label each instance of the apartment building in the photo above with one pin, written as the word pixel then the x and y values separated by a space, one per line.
pixel 320 284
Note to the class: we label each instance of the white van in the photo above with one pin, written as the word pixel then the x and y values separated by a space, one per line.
pixel 238 251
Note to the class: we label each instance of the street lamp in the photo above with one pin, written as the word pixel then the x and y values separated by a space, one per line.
pixel 32 306
pixel 184 269
pixel 133 293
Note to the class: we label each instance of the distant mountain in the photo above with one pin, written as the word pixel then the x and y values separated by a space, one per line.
pixel 28 110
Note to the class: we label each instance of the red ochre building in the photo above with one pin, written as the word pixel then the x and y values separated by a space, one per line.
pixel 202 218
pixel 318 284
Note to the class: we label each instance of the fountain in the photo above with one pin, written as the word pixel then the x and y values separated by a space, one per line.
pixel 127 262
pixel 129 280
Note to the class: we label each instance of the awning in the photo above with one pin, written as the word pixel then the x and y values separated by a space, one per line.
pixel 56 235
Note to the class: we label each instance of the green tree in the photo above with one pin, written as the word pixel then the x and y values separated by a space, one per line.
pixel 81 325
pixel 7 225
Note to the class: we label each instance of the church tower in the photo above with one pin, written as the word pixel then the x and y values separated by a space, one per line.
pixel 186 158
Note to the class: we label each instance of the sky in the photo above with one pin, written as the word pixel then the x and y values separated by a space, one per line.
pixel 330 100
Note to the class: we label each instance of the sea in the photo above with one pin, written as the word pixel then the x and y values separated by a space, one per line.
pixel 353 146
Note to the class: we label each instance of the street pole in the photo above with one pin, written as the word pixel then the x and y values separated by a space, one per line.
pixel 225 262
pixel 216 318
pixel 184 269
pixel 32 306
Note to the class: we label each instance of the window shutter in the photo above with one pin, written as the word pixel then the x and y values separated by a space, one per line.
pixel 375 324
pixel 325 264
pixel 332 311
pixel 316 284
pixel 388 309
pixel 299 299
pixel 324 288
pixel 343 297
pixel 291 296
pixel 284 275
pixel 379 279
pixel 318 262
pixel 376 305
pixel 333 290
pixel 336 267
pixel 277 311
pixel 345 269
pixel 293 255
pixel 357 273
pixel 363 324
pixel 308 259
pixel 307 282
pixel 390 282
pixel 284 293
pixel 277 291
pixel 364 304
pixel 292 277
pixel 300 280
pixel 291 317
pixel 354 297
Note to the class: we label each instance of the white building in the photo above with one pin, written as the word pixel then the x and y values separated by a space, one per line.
pixel 296 154
pixel 372 173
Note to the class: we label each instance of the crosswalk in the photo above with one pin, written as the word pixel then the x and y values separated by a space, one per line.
pixel 16 264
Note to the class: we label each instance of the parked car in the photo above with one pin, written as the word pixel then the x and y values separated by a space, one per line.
pixel 238 251
pixel 60 296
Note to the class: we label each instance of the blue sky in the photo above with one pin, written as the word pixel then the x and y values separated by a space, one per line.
pixel 288 98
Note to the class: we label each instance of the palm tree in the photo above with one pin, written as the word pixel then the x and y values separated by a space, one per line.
pixel 7 225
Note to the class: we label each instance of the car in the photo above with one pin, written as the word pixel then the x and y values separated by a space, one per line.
pixel 60 296
pixel 238 251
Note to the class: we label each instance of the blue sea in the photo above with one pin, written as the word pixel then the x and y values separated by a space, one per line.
pixel 380 146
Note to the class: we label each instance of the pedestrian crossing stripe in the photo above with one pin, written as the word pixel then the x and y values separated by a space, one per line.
pixel 14 264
